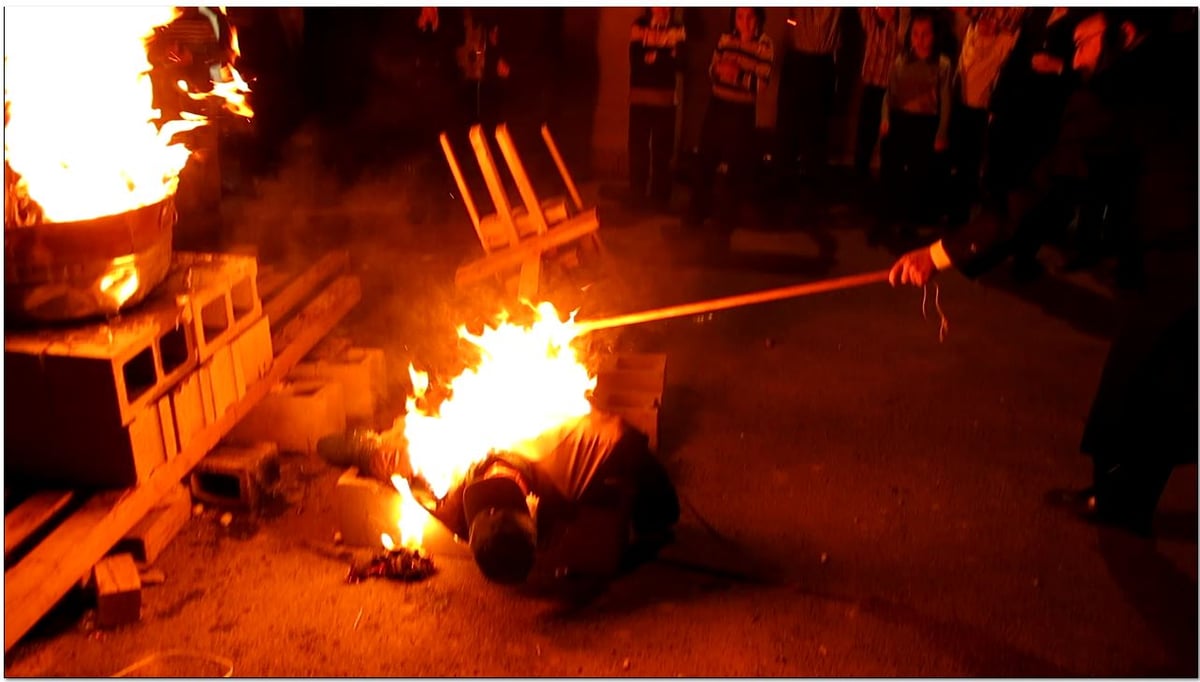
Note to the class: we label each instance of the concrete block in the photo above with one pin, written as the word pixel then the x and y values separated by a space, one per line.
pixel 220 375
pixel 160 525
pixel 166 419
pixel 295 415
pixel 253 354
pixel 239 477
pixel 118 591
pixel 362 374
pixel 190 409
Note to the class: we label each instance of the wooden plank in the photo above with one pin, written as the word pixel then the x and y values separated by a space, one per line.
pixel 31 516
pixel 302 287
pixel 463 190
pixel 495 185
pixel 35 584
pixel 572 229
pixel 531 268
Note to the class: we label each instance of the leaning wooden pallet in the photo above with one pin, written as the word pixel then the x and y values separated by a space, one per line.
pixel 94 525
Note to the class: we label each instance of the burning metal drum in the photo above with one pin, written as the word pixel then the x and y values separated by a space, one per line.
pixel 56 272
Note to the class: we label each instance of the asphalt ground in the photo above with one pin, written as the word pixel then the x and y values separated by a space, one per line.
pixel 860 498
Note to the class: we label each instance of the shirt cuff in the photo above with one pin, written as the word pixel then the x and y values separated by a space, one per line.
pixel 941 259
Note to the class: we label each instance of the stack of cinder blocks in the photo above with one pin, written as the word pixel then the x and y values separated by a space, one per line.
pixel 631 386
pixel 103 404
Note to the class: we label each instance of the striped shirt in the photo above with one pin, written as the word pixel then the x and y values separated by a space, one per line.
pixel 752 59
pixel 814 29
pixel 1008 19
pixel 654 59
pixel 882 42
pixel 980 63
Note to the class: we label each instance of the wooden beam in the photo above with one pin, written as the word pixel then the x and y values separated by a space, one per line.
pixel 495 184
pixel 562 167
pixel 570 230
pixel 48 572
pixel 463 189
pixel 31 516
pixel 303 286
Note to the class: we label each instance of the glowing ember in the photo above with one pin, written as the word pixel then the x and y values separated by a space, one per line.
pixel 80 127
pixel 528 381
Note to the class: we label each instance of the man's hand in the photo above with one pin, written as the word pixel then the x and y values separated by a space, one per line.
pixel 915 267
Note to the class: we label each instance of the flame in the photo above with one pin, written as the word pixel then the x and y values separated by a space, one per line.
pixel 412 516
pixel 80 122
pixel 528 381
pixel 120 283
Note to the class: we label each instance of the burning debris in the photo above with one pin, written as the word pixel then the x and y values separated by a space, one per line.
pixel 400 563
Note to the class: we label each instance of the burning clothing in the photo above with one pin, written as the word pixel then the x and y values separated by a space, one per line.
pixel 596 461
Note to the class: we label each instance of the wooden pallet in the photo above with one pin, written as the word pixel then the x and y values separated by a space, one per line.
pixel 53 538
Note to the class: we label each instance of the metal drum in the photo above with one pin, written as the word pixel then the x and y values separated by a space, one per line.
pixel 56 272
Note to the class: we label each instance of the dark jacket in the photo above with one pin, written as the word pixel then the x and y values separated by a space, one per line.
pixel 1129 134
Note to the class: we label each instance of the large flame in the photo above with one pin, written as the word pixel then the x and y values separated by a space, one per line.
pixel 528 381
pixel 411 518
pixel 80 122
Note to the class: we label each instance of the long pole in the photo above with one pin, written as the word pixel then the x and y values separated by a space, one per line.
pixel 698 307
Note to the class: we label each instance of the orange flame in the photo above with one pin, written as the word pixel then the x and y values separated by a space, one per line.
pixel 528 381
pixel 80 122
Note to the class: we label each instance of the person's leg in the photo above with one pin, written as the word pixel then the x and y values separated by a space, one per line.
pixel 789 113
pixel 817 131
pixel 869 113
pixel 641 120
pixel 662 148
pixel 700 202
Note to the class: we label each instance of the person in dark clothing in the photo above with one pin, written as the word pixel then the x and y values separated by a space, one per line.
pixel 1027 106
pixel 655 59
pixel 808 84
pixel 1131 131
pixel 512 505
pixel 741 65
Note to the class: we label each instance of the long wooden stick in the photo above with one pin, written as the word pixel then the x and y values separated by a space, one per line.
pixel 462 187
pixel 734 301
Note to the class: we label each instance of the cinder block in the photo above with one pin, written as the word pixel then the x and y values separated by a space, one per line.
pixel 158 527
pixel 253 354
pixel 362 374
pixel 295 415
pixel 166 420
pixel 365 508
pixel 240 477
pixel 221 290
pixel 118 591
pixel 189 408
pixel 220 376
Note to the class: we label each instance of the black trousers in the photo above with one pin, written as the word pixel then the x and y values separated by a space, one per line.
pixel 806 89
pixel 968 139
pixel 913 173
pixel 870 111
pixel 1143 418
pixel 651 146
pixel 728 137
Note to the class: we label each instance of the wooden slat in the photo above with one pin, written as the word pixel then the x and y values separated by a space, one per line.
pixel 31 516
pixel 569 230
pixel 302 287
pixel 48 572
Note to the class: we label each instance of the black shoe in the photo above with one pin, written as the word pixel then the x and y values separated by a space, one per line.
pixel 1089 507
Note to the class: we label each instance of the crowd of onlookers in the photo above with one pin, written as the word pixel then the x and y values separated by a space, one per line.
pixel 959 103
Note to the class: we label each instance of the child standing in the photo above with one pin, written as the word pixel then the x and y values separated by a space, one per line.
pixel 916 128
pixel 655 59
